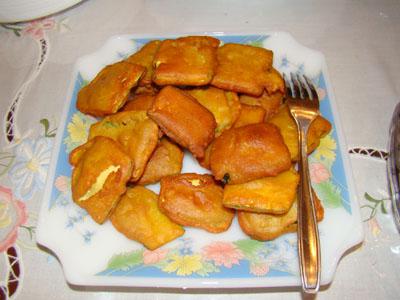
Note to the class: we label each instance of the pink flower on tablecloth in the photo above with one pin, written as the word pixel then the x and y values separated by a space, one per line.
pixel 12 215
pixel 153 257
pixel 61 183
pixel 319 173
pixel 223 254
pixel 36 28
pixel 259 269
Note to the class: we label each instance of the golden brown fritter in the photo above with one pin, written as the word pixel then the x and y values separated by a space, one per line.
pixel 183 119
pixel 150 89
pixel 109 90
pixel 138 217
pixel 190 89
pixel 194 200
pixel 287 125
pixel 247 153
pixel 186 61
pixel 274 195
pixel 139 102
pixel 135 131
pixel 144 57
pixel 242 68
pixel 205 161
pixel 271 103
pixel 250 114
pixel 274 82
pixel 165 160
pixel 225 106
pixel 76 154
pixel 99 177
pixel 265 227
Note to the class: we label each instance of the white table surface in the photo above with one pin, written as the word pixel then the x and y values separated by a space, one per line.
pixel 360 41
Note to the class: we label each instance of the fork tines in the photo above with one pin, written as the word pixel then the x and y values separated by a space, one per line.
pixel 298 85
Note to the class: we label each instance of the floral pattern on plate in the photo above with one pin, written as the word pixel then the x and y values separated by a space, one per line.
pixel 219 259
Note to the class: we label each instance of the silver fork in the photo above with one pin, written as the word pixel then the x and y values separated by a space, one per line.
pixel 303 102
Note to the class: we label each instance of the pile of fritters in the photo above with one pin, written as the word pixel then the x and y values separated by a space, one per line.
pixel 224 104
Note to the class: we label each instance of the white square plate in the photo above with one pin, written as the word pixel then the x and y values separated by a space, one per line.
pixel 98 255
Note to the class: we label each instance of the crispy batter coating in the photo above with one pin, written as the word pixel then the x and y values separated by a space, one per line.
pixel 144 57
pixel 265 227
pixel 135 131
pixel 186 61
pixel 225 106
pixel 165 160
pixel 250 114
pixel 242 68
pixel 151 89
pixel 248 153
pixel 274 82
pixel 271 103
pixel 109 90
pixel 274 195
pixel 139 102
pixel 138 217
pixel 99 176
pixel 205 161
pixel 194 200
pixel 76 154
pixel 183 119
pixel 287 125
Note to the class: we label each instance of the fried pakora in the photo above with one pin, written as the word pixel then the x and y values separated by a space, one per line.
pixel 139 102
pixel 274 82
pixel 144 57
pixel 205 160
pixel 183 119
pixel 247 153
pixel 287 125
pixel 165 160
pixel 135 131
pixel 250 114
pixel 186 61
pixel 99 177
pixel 242 68
pixel 271 103
pixel 109 90
pixel 225 106
pixel 138 217
pixel 76 154
pixel 150 89
pixel 265 227
pixel 274 195
pixel 194 200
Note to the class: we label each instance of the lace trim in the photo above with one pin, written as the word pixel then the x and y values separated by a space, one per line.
pixel 14 276
pixel 369 152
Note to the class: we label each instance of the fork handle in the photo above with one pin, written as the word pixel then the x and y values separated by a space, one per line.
pixel 307 230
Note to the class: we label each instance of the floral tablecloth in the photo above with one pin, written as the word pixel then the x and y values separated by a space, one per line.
pixel 360 42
